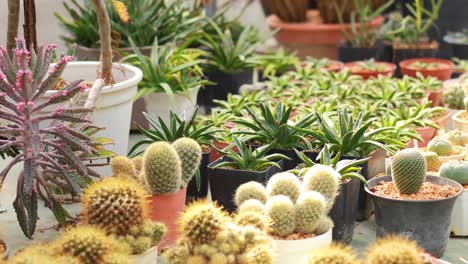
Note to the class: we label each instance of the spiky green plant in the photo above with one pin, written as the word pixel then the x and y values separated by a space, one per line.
pixel 190 154
pixel 248 159
pixel 280 209
pixel 284 183
pixel 408 170
pixel 250 190
pixel 310 206
pixel 394 249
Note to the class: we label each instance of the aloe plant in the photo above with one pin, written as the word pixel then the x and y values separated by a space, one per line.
pixel 275 63
pixel 352 136
pixel 169 69
pixel 247 158
pixel 271 126
pixel 176 128
pixel 227 55
pixel 148 19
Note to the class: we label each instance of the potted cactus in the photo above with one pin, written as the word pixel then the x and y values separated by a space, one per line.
pixel 297 210
pixel 439 68
pixel 444 151
pixel 414 204
pixel 370 68
pixel 216 237
pixel 165 169
pixel 240 164
pixel 458 171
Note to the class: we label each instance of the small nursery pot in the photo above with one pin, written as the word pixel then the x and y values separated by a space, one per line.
pixel 148 257
pixel 444 121
pixel 344 211
pixel 427 222
pixel 334 66
pixel 442 73
pixel 460 215
pixel 224 182
pixel 193 192
pixel 460 123
pixel 353 67
pixel 426 133
pixel 166 209
pixel 297 251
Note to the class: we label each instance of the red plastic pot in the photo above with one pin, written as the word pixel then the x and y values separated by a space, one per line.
pixel 444 72
pixel 335 66
pixel 313 38
pixel 354 68
pixel 166 209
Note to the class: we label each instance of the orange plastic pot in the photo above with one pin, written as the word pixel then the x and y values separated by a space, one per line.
pixel 443 73
pixel 166 209
pixel 312 38
pixel 436 98
pixel 444 121
pixel 354 68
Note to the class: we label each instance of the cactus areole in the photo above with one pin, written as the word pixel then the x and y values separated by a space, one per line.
pixel 51 145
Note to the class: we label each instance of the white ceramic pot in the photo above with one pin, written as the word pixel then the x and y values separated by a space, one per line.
pixel 149 257
pixel 160 104
pixel 114 104
pixel 460 215
pixel 298 251
pixel 459 123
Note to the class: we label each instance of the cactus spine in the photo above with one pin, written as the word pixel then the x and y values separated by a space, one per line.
pixel 162 168
pixel 323 179
pixel 250 190
pixel 123 166
pixel 284 183
pixel 394 249
pixel 280 209
pixel 308 209
pixel 190 154
pixel 251 205
pixel 440 146
pixel 408 170
pixel 88 244
pixel 334 254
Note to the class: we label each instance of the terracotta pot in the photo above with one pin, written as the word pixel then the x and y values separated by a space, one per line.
pixel 390 69
pixel 312 38
pixel 335 66
pixel 426 133
pixel 214 154
pixel 441 73
pixel 436 98
pixel 166 209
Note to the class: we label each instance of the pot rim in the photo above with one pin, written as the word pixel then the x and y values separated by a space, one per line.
pixel 321 236
pixel 456 118
pixel 379 179
pixel 275 22
pixel 391 67
pixel 134 75
pixel 407 62
pixel 151 195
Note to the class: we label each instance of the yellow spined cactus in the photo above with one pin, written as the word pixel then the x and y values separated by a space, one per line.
pixel 123 166
pixel 334 254
pixel 395 250
pixel 89 244
pixel 115 204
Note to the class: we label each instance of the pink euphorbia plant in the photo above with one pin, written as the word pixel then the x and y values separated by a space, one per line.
pixel 52 146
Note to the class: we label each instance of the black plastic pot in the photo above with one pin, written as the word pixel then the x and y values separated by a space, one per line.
pixel 344 211
pixel 224 182
pixel 380 52
pixel 224 83
pixel 426 222
pixel 193 192
pixel 290 153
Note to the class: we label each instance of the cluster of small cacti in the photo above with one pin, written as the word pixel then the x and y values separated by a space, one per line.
pixel 287 206
pixel 409 169
pixel 441 146
pixel 453 97
pixel 164 168
pixel 118 205
pixel 80 245
pixel 209 235
pixel 392 249
pixel 455 170
pixel 457 138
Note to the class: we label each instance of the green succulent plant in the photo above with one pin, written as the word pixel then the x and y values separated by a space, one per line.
pixel 166 21
pixel 276 63
pixel 271 126
pixel 169 69
pixel 248 159
pixel 176 128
